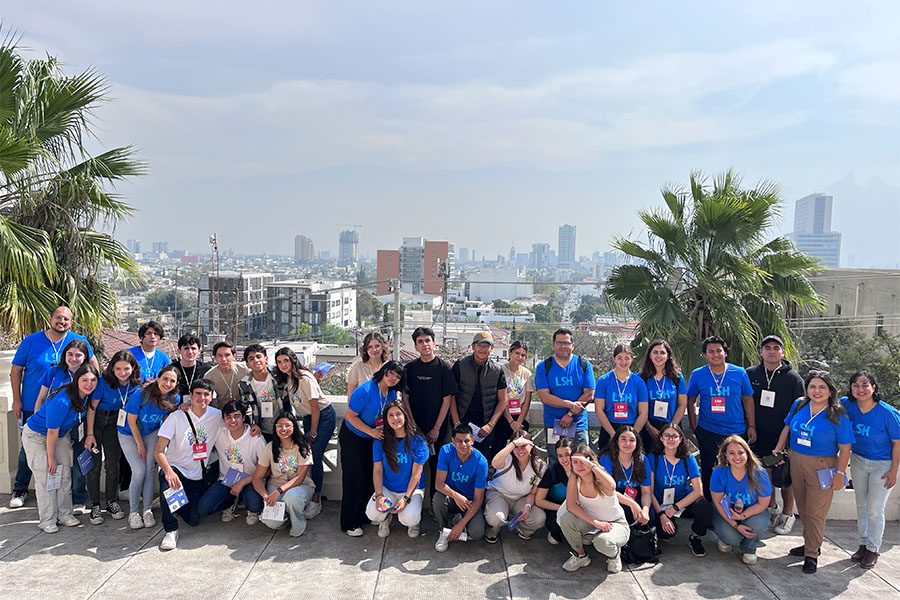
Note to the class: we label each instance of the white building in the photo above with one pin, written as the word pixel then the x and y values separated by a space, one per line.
pixel 315 302
pixel 508 284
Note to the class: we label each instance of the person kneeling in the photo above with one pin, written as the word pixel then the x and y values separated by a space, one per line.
pixel 459 489
pixel 512 490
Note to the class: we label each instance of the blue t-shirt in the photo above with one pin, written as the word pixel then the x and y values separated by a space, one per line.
pixel 150 416
pixel 56 413
pixel 823 435
pixel 613 392
pixel 36 354
pixel 732 385
pixel 150 368
pixel 113 398
pixel 398 481
pixel 367 402
pixel 875 431
pixel 621 484
pixel 665 391
pixel 463 477
pixel 679 476
pixel 723 482
pixel 568 384
pixel 55 377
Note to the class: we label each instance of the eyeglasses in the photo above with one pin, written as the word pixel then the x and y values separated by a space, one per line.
pixel 563 343
pixel 284 426
pixel 671 436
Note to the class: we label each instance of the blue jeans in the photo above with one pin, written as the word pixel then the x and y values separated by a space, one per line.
pixel 23 473
pixel 79 491
pixel 327 423
pixel 871 498
pixel 729 535
pixel 193 489
pixel 295 500
pixel 143 470
pixel 581 437
pixel 218 497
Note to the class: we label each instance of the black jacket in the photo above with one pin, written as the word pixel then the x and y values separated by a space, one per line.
pixel 787 385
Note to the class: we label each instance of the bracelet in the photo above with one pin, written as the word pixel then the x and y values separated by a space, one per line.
pixel 489 424
pixel 839 473
pixel 406 498
pixel 675 507
pixel 377 496
pixel 527 505
pixel 87 435
pixel 279 490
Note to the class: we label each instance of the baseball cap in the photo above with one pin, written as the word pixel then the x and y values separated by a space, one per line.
pixel 771 338
pixel 483 336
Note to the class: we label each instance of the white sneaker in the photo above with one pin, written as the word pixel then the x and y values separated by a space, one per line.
pixel 357 532
pixel 135 521
pixel 312 510
pixel 18 500
pixel 169 541
pixel 442 543
pixel 81 509
pixel 69 521
pixel 149 521
pixel 50 529
pixel 723 547
pixel 228 514
pixel 413 531
pixel 749 559
pixel 614 565
pixel 785 524
pixel 384 528
pixel 575 562
pixel 252 518
pixel 552 539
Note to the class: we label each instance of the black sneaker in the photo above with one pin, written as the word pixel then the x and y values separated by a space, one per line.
pixel 96 515
pixel 810 564
pixel 697 546
pixel 798 551
pixel 491 539
pixel 115 511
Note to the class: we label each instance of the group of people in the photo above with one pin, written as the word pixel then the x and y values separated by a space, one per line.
pixel 254 434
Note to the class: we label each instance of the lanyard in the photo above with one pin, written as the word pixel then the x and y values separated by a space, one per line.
pixel 150 364
pixel 721 380
pixel 622 389
pixel 626 474
pixel 56 348
pixel 660 388
pixel 813 417
pixel 124 397
pixel 187 415
pixel 229 383
pixel 184 374
pixel 769 379
pixel 671 474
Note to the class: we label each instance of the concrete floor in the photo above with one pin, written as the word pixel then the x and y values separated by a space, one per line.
pixel 219 560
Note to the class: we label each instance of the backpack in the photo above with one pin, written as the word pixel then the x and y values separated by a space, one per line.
pixel 548 364
pixel 642 546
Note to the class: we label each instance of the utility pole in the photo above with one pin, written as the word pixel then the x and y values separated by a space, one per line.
pixel 214 314
pixel 397 333
pixel 444 273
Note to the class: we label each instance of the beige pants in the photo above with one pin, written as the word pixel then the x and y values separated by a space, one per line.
pixel 607 543
pixel 812 501
pixel 55 505
pixel 498 509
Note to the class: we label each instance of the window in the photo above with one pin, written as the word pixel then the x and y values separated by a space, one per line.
pixel 837 310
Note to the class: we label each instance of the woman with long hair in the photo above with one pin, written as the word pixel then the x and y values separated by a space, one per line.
pixel 874 461
pixel 513 489
pixel 373 353
pixel 316 412
pixel 820 436
pixel 362 425
pixel 666 390
pixel 551 492
pixel 49 451
pixel 620 397
pixel 625 461
pixel 519 389
pixel 740 490
pixel 286 460
pixel 398 475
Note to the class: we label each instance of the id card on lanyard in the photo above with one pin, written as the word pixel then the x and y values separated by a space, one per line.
pixel 123 416
pixel 717 401
pixel 804 436
pixel 198 448
pixel 620 410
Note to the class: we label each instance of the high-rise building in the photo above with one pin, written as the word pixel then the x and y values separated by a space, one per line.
pixel 134 246
pixel 160 247
pixel 348 248
pixel 812 229
pixel 304 249
pixel 512 254
pixel 412 264
pixel 435 253
pixel 540 256
pixel 234 304
pixel 463 256
pixel 417 265
pixel 292 303
pixel 566 253
pixel 387 266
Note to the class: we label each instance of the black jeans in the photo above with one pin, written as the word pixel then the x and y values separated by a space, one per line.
pixel 356 477
pixel 708 443
pixel 193 489
pixel 107 437
pixel 700 510
pixel 553 527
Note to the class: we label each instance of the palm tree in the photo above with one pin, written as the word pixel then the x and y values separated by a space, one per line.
pixel 707 269
pixel 53 199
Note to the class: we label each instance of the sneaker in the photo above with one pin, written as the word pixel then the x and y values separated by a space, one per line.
pixel 252 518
pixel 785 524
pixel 413 531
pixel 69 521
pixel 492 535
pixel 575 562
pixel 797 551
pixel 96 515
pixel 50 529
pixel 123 495
pixel 355 532
pixel 614 564
pixel 749 558
pixel 523 535
pixel 859 554
pixel 149 521
pixel 169 541
pixel 810 564
pixel 442 542
pixel 870 560
pixel 552 539
pixel 384 528
pixel 18 499
pixel 228 514
pixel 81 509
pixel 135 521
pixel 312 510
pixel 697 546
pixel 723 547
pixel 115 511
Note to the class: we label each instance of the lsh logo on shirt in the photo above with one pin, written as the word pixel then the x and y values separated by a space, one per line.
pixel 720 391
pixel 861 430
pixel 564 381
pixel 460 477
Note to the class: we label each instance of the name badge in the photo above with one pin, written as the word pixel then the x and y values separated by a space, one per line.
pixel 767 399
pixel 660 409
pixel 123 418
pixel 515 406
pixel 266 410
pixel 718 404
pixel 804 439
pixel 81 431
pixel 631 491
pixel 200 452
pixel 552 436
pixel 668 496
pixel 620 410
pixel 378 421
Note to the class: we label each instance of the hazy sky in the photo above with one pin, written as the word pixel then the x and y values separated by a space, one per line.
pixel 488 124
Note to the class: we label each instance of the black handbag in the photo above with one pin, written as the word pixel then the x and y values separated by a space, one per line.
pixel 642 546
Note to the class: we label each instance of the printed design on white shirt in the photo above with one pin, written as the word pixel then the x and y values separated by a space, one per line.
pixel 288 464
pixel 201 434
pixel 233 454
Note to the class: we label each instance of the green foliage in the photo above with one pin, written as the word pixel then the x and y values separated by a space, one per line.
pixel 167 300
pixel 368 308
pixel 499 303
pixel 590 307
pixel 332 334
pixel 545 313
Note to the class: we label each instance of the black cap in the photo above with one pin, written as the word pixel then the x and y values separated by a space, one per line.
pixel 772 338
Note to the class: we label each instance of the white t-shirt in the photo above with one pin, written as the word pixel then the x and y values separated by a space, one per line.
pixel 176 429
pixel 518 385
pixel 307 390
pixel 511 487
pixel 241 454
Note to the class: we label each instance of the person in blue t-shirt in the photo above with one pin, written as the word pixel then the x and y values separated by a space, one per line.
pixel 147 355
pixel 820 436
pixel 398 475
pixel 120 380
pixel 666 390
pixel 625 461
pixel 620 398
pixel 677 489
pixel 740 489
pixel 874 461
pixel 726 401
pixel 34 356
pixel 459 489
pixel 362 425
pixel 565 384
pixel 49 450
